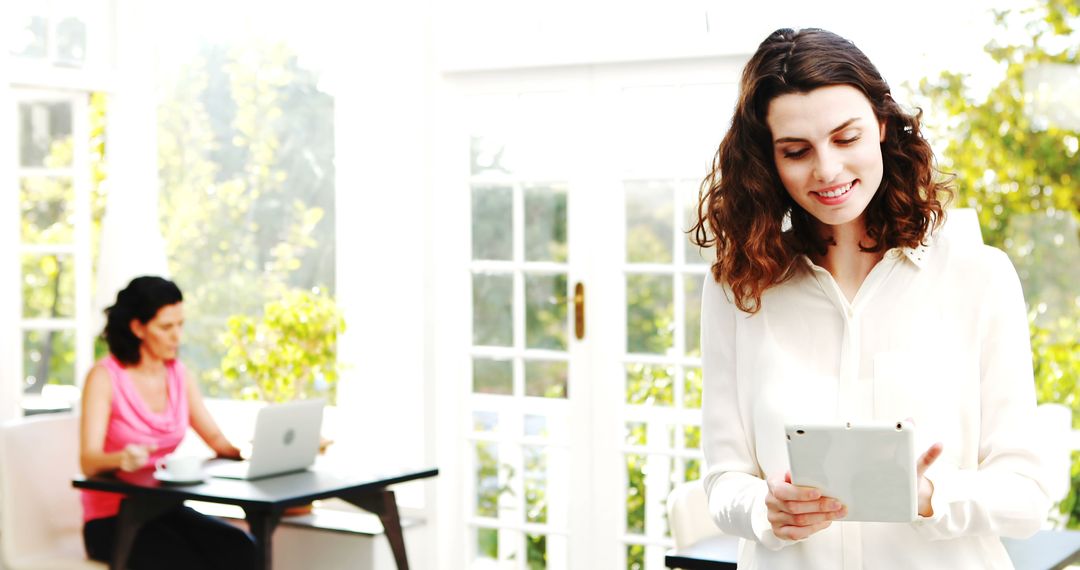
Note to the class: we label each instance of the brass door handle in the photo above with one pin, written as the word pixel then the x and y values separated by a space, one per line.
pixel 579 310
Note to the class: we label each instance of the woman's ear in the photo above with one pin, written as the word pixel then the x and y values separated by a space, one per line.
pixel 138 329
pixel 881 127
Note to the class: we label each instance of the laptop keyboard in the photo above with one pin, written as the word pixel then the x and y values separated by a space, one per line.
pixel 229 469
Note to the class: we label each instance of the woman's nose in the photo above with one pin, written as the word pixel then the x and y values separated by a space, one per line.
pixel 826 167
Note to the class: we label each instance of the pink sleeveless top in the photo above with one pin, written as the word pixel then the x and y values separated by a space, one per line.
pixel 132 421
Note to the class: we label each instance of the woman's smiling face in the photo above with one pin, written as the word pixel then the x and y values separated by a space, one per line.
pixel 827 149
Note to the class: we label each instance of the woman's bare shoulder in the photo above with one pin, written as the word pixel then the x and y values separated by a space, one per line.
pixel 98 380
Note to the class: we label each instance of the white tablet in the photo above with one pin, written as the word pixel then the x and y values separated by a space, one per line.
pixel 869 467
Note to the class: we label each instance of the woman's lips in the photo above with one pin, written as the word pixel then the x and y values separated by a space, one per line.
pixel 836 195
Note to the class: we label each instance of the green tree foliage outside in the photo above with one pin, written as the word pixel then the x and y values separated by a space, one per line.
pixel 247 183
pixel 48 281
pixel 1019 169
pixel 290 353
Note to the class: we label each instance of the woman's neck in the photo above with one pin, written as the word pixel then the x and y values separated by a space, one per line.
pixel 149 365
pixel 845 259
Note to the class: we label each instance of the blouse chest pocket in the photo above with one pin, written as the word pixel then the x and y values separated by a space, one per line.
pixel 928 389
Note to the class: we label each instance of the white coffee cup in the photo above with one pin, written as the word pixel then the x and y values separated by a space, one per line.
pixel 180 466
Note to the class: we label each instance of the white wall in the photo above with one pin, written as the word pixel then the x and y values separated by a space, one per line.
pixel 382 86
pixel 10 292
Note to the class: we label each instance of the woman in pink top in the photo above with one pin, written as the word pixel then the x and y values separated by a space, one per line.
pixel 137 405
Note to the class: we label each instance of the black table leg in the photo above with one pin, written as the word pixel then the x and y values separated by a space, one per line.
pixel 134 513
pixel 261 523
pixel 384 504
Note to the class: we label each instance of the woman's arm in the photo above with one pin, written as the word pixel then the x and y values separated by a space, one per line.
pixel 738 494
pixel 204 423
pixel 1005 495
pixel 96 407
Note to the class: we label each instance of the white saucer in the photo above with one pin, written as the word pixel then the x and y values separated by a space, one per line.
pixel 165 477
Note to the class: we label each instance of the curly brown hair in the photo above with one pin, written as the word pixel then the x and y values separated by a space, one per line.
pixel 743 206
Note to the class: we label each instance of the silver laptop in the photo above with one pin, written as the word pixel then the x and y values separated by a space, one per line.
pixel 286 440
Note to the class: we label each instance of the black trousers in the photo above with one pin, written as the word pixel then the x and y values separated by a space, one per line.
pixel 180 539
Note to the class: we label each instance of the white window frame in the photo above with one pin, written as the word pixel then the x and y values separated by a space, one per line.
pixel 79 250
pixel 38 80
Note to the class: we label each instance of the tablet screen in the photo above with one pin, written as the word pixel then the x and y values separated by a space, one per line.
pixel 868 467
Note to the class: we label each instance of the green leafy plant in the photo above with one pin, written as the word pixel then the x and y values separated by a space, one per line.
pixel 289 353
pixel 1019 169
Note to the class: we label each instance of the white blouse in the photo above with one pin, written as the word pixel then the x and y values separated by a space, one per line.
pixel 938 334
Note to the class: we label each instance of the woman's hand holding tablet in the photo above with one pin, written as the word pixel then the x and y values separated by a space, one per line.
pixel 869 468
pixel 797 512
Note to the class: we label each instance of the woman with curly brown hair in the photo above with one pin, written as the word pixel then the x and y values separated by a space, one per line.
pixel 837 295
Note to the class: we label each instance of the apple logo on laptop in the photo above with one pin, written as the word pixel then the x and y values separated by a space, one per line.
pixel 290 435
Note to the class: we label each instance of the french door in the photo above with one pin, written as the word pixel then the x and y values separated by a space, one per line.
pixel 578 404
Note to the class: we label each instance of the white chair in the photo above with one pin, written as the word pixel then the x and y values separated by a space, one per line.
pixel 40 513
pixel 688 514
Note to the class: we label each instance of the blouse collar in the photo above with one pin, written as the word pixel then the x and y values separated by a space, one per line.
pixel 916 255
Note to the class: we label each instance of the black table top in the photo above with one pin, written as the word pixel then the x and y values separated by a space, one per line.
pixel 278 491
pixel 714 553
pixel 1047 550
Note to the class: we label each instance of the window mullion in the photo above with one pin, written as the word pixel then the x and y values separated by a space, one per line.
pixel 81 181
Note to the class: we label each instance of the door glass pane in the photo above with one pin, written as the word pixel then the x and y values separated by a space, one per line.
pixel 48 286
pixel 545 379
pixel 692 388
pixel 691 437
pixel 537 551
pixel 694 254
pixel 488 155
pixel 545 223
pixel 493 308
pixel 535 426
pixel 649 218
pixel 487 543
pixel 487 479
pixel 47 210
pixel 492 376
pixel 71 42
pixel 650 314
pixel 649 385
pixel 692 469
pixel 45 135
pixel 692 321
pixel 492 222
pixel 545 311
pixel 635 494
pixel 30 37
pixel 535 483
pixel 48 358
pixel 636 434
pixel 485 421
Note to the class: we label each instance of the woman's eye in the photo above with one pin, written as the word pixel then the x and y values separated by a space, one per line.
pixel 795 153
pixel 847 141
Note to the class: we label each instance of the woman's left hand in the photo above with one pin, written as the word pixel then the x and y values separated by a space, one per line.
pixel 229 452
pixel 926 487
